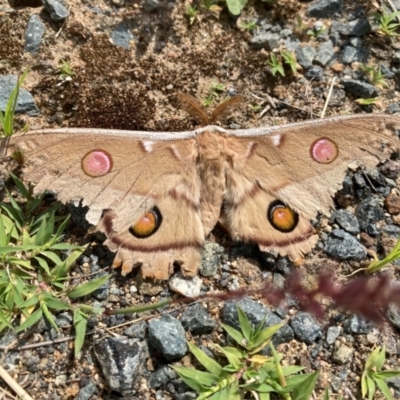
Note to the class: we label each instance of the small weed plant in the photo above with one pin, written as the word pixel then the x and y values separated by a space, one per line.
pixel 213 93
pixel 245 372
pixel 7 117
pixel 276 62
pixel 375 76
pixel 387 23
pixel 64 69
pixel 33 272
pixel 373 377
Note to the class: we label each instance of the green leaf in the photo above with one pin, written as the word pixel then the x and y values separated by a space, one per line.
pixel 304 390
pixel 199 380
pixel 80 324
pixel 233 355
pixel 207 362
pixel 236 6
pixel 49 316
pixel 88 287
pixel 244 323
pixel 386 374
pixel 371 387
pixel 32 301
pixel 264 337
pixel 364 387
pixel 20 186
pixel 43 264
pixel 380 359
pixel 234 334
pixel 52 257
pixel 31 320
pixel 56 304
pixel 384 388
pixel 45 231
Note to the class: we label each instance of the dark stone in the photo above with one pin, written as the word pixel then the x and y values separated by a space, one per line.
pixel 26 103
pixel 33 34
pixel 352 54
pixel 369 211
pixel 343 246
pixel 305 56
pixel 265 40
pixel 347 221
pixel 325 54
pixel 324 8
pixel 197 320
pixel 137 330
pixel 161 377
pixel 87 391
pixel 360 89
pixel 358 325
pixel 166 334
pixel 314 73
pixel 357 27
pixel 121 36
pixel 305 328
pixel 57 11
pixel 121 360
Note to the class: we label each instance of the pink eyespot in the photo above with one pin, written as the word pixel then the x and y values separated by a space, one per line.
pixel 324 151
pixel 97 163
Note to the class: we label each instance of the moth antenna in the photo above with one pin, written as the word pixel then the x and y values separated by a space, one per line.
pixel 193 107
pixel 223 108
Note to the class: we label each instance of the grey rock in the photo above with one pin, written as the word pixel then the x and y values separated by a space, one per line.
pixel 393 108
pixel 338 378
pixel 161 377
pixel 355 42
pixel 137 331
pixel 121 360
pixel 352 54
pixel 64 319
pixel 121 36
pixel 394 383
pixel 324 8
pixel 357 27
pixel 376 177
pixel 343 246
pixel 87 391
pixel 305 56
pixel 167 335
pixel 392 230
pixel 396 57
pixel 388 74
pixel 358 325
pixel 211 259
pixel 325 54
pixel 33 34
pixel 151 5
pixel 265 40
pixel 305 328
pixel 342 354
pixel 286 33
pixel 292 43
pixel 347 221
pixel 359 180
pixel 26 103
pixel 369 211
pixel 255 312
pixel 338 98
pixel 359 88
pixel 332 334
pixel 393 314
pixel 197 320
pixel 57 11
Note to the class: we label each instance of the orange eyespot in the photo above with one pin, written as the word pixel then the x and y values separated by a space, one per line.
pixel 147 224
pixel 281 217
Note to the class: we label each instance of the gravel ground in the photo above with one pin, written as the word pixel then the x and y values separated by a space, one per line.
pixel 130 58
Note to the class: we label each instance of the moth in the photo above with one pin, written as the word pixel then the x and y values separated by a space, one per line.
pixel 157 195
